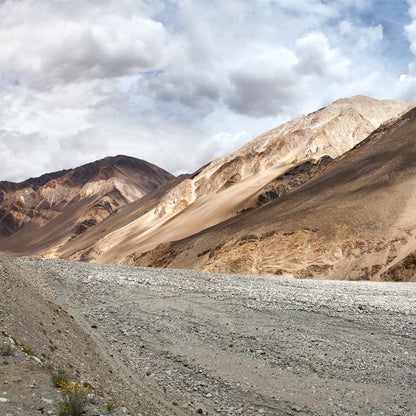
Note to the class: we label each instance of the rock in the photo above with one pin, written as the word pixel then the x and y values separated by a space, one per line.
pixel 36 360
pixel 48 401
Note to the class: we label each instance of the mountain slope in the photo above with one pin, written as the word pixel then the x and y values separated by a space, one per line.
pixel 247 178
pixel 40 214
pixel 354 220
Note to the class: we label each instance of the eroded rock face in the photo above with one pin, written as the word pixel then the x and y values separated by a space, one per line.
pixel 76 199
pixel 251 176
pixel 327 132
pixel 353 220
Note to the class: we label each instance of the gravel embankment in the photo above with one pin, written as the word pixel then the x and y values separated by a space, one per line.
pixel 198 343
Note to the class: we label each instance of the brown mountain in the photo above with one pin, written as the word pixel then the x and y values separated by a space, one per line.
pixel 355 219
pixel 41 214
pixel 294 201
pixel 272 165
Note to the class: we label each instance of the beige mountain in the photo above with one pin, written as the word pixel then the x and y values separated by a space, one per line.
pixel 271 165
pixel 41 214
pixel 293 201
pixel 355 219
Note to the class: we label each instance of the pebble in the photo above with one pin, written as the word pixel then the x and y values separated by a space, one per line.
pixel 48 401
pixel 273 325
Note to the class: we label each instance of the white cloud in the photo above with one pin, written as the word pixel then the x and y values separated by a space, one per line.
pixel 406 83
pixel 176 82
pixel 19 150
pixel 316 57
pixel 263 84
pixel 363 37
pixel 411 28
pixel 42 45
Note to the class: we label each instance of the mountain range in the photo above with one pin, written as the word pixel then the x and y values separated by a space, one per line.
pixel 326 195
pixel 41 214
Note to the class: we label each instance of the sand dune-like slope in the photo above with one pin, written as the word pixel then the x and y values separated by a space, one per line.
pixel 356 219
pixel 247 178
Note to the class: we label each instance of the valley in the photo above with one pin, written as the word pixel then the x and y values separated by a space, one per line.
pixel 327 195
pixel 177 342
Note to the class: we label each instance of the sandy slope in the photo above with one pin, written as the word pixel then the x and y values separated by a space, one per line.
pixel 228 185
pixel 355 220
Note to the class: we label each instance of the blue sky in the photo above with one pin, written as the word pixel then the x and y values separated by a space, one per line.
pixel 181 82
pixel 393 16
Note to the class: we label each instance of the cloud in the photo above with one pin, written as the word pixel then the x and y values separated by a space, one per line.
pixel 18 150
pixel 411 28
pixel 190 87
pixel 264 85
pixel 316 57
pixel 265 72
pixel 44 45
pixel 177 82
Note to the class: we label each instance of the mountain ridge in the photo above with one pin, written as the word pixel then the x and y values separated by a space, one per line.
pixel 253 211
pixel 92 191
pixel 219 191
pixel 355 220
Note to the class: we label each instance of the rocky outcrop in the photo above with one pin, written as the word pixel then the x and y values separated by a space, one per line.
pixel 330 131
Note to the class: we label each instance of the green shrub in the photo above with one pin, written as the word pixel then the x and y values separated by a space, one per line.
pixel 27 350
pixel 111 406
pixel 58 375
pixel 74 401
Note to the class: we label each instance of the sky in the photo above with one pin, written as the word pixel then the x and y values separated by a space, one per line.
pixel 181 82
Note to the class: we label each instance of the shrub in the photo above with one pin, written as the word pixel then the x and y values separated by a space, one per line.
pixel 111 406
pixel 27 350
pixel 58 376
pixel 75 399
pixel 7 347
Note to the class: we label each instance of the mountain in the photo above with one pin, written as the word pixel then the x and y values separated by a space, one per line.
pixel 269 167
pixel 41 214
pixel 353 220
pixel 320 196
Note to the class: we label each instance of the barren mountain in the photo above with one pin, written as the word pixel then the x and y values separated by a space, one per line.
pixel 353 220
pixel 270 166
pixel 40 214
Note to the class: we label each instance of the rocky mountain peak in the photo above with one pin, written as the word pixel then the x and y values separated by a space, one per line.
pixel 270 168
pixel 233 184
pixel 330 131
pixel 107 183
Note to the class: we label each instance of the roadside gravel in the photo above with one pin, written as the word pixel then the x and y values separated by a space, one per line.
pixel 189 342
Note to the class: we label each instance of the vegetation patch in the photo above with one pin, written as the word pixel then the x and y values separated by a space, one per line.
pixel 58 376
pixel 7 346
pixel 111 406
pixel 75 399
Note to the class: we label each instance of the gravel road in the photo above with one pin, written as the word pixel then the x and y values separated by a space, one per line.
pixel 190 342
